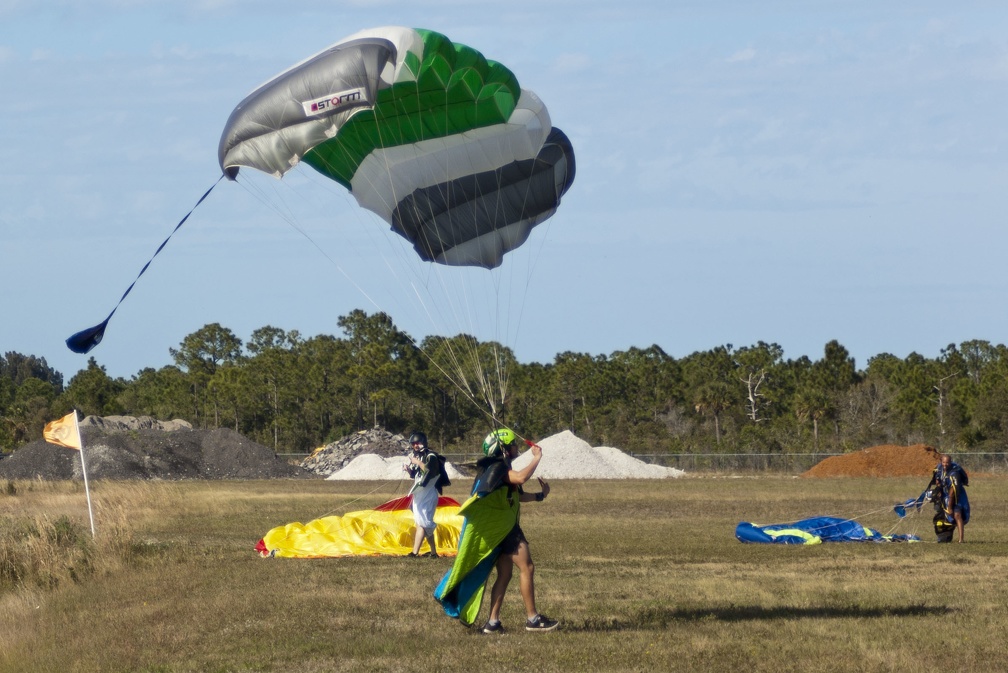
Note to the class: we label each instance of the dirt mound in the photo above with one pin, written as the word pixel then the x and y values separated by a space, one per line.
pixel 889 460
pixel 151 454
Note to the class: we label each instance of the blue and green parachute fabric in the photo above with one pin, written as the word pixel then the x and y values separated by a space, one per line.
pixel 442 143
pixel 815 530
pixel 489 515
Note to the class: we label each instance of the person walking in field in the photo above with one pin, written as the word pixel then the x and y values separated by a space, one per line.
pixel 492 538
pixel 948 488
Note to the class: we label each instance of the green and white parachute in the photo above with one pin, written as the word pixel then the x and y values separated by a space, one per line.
pixel 440 142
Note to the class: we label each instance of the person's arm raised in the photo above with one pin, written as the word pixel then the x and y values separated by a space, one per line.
pixel 519 477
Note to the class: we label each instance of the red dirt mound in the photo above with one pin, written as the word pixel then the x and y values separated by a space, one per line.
pixel 879 461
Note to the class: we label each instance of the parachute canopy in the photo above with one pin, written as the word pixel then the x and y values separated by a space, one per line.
pixel 440 142
pixel 386 530
pixel 815 530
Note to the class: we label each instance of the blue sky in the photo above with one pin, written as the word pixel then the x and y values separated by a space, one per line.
pixel 791 172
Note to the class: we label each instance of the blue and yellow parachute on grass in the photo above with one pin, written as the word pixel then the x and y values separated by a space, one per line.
pixel 386 530
pixel 814 530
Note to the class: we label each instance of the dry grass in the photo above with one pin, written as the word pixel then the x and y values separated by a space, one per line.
pixel 644 575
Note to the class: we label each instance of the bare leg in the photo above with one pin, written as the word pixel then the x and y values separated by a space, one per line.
pixel 959 524
pixel 431 541
pixel 505 566
pixel 523 559
pixel 418 538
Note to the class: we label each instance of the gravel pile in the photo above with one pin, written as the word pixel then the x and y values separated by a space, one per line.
pixel 331 458
pixel 150 453
pixel 368 455
pixel 120 423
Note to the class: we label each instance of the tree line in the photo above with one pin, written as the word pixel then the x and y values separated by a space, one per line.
pixel 295 394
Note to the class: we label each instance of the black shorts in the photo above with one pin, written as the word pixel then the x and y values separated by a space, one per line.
pixel 513 541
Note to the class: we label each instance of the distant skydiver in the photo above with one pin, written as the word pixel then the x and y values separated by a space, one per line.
pixel 948 492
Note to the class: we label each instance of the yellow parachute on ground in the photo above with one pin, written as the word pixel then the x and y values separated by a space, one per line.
pixel 386 530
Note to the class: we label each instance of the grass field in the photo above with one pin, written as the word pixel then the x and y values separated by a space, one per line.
pixel 645 576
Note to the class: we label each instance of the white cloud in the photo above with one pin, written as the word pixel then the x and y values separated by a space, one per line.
pixel 746 54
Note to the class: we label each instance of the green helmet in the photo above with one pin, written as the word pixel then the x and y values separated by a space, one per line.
pixel 497 441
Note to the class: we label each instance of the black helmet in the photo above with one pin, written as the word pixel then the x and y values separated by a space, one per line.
pixel 418 438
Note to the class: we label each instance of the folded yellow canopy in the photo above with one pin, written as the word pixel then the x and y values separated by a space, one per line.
pixel 386 530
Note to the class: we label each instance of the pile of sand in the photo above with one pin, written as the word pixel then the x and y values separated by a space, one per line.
pixel 565 456
pixel 918 460
pixel 370 466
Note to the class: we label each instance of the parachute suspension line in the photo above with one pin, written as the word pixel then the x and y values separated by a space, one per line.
pixel 896 525
pixel 463 359
pixel 870 512
pixel 459 382
pixel 498 367
pixel 459 379
pixel 462 353
pixel 85 340
pixel 292 223
pixel 914 529
pixel 469 374
pixel 496 371
pixel 857 517
pixel 918 517
pixel 532 262
pixel 345 507
pixel 465 363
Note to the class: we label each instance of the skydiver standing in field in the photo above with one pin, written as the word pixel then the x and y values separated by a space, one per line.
pixel 948 485
pixel 492 535
pixel 427 471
